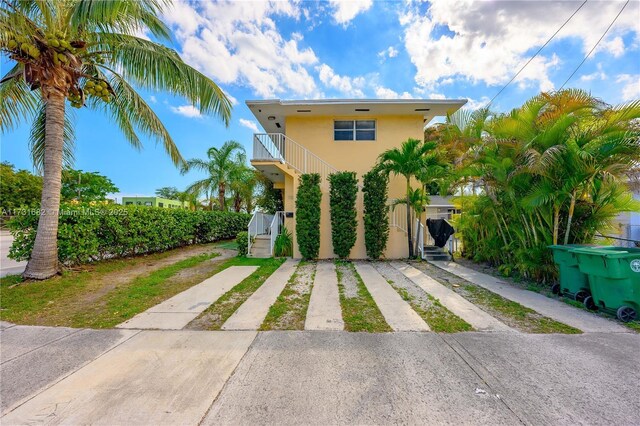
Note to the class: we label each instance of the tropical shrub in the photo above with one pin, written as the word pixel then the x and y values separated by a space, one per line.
pixel 343 190
pixel 283 245
pixel 242 239
pixel 308 215
pixel 553 171
pixel 87 233
pixel 376 213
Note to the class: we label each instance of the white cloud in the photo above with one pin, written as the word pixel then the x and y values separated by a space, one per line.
pixel 596 75
pixel 347 86
pixel 238 42
pixel 390 52
pixel 386 93
pixel 345 10
pixel 631 88
pixel 482 41
pixel 250 124
pixel 474 104
pixel 187 110
pixel 153 99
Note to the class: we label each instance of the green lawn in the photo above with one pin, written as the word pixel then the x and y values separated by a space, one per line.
pixel 360 313
pixel 217 314
pixel 106 293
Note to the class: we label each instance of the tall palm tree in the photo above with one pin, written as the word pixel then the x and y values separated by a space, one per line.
pixel 406 161
pixel 221 165
pixel 243 186
pixel 85 52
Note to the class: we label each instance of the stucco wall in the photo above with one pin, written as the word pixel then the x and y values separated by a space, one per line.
pixel 316 134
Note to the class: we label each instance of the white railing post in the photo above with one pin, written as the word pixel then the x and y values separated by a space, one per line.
pixel 275 228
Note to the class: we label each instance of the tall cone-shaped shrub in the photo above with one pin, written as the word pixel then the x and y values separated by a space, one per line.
pixel 308 215
pixel 343 189
pixel 376 213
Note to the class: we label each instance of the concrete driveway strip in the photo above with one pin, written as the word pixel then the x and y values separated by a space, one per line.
pixel 395 311
pixel 554 309
pixel 324 311
pixel 252 312
pixel 49 358
pixel 330 378
pixel 181 309
pixel 156 377
pixel 479 319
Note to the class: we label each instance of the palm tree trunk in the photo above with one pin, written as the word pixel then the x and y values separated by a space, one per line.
pixel 409 236
pixel 221 194
pixel 556 223
pixel 572 207
pixel 43 262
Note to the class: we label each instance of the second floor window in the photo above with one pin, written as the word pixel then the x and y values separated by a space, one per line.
pixel 354 130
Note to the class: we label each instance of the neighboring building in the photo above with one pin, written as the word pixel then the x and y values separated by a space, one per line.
pixel 323 136
pixel 154 202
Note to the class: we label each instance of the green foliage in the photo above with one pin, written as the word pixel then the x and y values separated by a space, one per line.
pixel 376 213
pixel 270 199
pixel 169 192
pixel 553 171
pixel 343 189
pixel 18 189
pixel 87 233
pixel 242 239
pixel 308 215
pixel 283 245
pixel 85 186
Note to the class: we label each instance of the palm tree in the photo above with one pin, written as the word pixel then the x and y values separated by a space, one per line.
pixel 407 161
pixel 85 52
pixel 243 186
pixel 220 167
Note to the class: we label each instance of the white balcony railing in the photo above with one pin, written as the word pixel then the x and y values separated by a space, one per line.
pixel 279 147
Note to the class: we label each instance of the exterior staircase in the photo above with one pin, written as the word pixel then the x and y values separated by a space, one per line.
pixel 261 246
pixel 435 253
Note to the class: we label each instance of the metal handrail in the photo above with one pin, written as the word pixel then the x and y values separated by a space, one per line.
pixel 258 225
pixel 280 147
pixel 275 228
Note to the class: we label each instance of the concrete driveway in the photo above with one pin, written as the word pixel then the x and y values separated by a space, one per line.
pixel 8 266
pixel 70 376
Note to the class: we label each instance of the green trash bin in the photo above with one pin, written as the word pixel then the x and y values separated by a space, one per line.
pixel 573 283
pixel 614 279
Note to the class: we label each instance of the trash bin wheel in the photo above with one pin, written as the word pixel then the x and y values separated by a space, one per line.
pixel 581 296
pixel 555 289
pixel 589 303
pixel 626 313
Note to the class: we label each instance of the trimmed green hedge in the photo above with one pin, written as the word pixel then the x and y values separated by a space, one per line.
pixel 308 215
pixel 88 233
pixel 376 213
pixel 342 200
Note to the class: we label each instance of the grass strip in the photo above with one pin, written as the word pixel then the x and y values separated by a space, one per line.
pixel 511 313
pixel 88 298
pixel 290 308
pixel 359 313
pixel 438 317
pixel 217 314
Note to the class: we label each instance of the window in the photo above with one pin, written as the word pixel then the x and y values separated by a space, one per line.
pixel 148 203
pixel 354 130
pixel 128 203
pixel 160 204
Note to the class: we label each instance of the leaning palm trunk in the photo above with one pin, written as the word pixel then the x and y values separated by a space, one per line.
pixel 556 223
pixel 572 208
pixel 44 257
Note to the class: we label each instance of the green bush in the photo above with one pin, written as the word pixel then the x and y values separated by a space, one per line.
pixel 88 233
pixel 308 215
pixel 376 213
pixel 242 239
pixel 283 245
pixel 343 189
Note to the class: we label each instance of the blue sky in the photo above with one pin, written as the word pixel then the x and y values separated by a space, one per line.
pixel 359 49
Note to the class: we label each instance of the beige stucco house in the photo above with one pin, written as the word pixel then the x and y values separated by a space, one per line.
pixel 324 136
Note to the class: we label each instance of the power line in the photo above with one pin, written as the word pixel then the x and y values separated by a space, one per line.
pixel 536 54
pixel 595 45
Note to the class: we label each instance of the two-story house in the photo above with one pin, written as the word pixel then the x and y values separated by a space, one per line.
pixel 324 136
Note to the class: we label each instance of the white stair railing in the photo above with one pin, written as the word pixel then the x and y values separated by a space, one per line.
pixel 260 224
pixel 280 147
pixel 275 228
pixel 420 230
pixel 398 217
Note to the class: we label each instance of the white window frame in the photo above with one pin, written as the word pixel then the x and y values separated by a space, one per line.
pixel 354 130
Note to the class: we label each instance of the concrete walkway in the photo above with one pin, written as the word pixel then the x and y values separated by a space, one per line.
pixel 554 309
pixel 479 319
pixel 324 311
pixel 181 309
pixel 252 312
pixel 398 314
